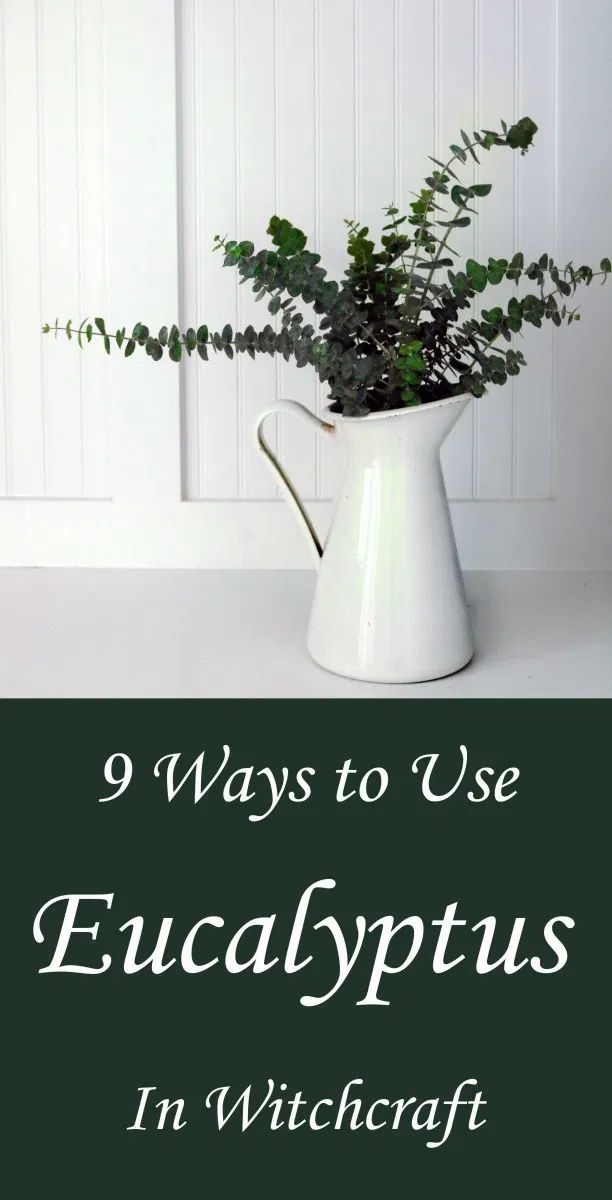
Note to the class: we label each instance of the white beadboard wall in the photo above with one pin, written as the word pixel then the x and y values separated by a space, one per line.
pixel 326 109
pixel 54 438
pixel 132 131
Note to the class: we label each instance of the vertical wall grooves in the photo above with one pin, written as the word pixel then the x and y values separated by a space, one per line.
pixel 180 15
pixel 52 208
pixel 41 172
pixel 476 402
pixel 237 214
pixel 185 52
pixel 79 222
pixel 517 231
pixel 555 251
pixel 105 151
pixel 356 112
pixel 200 424
pixel 8 480
pixel 278 361
pixel 436 78
pixel 104 201
pixel 316 83
pixel 397 66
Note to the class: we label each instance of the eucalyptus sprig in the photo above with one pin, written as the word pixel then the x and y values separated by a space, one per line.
pixel 392 332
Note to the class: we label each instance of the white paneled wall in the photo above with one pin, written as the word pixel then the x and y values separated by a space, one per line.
pixel 53 412
pixel 326 109
pixel 133 131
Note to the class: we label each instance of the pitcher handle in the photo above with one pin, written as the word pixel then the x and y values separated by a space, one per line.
pixel 292 406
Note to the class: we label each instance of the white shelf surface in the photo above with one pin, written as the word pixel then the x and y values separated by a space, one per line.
pixel 152 633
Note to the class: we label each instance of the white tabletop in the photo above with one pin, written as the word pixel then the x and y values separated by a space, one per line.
pixel 242 633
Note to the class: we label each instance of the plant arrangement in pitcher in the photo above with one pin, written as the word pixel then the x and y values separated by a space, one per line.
pixel 393 332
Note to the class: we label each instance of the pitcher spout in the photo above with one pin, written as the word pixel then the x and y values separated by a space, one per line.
pixel 400 432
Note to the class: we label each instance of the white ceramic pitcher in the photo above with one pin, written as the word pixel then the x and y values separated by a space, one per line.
pixel 389 604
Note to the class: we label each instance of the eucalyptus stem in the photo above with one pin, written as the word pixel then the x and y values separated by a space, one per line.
pixel 390 333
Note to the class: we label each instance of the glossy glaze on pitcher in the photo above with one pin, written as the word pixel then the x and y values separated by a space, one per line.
pixel 389 603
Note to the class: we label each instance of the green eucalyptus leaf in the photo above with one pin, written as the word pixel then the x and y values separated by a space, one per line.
pixel 459 153
pixel 459 194
pixel 496 269
pixel 520 136
pixel 492 315
pixel 284 235
pixel 410 397
pixel 478 275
